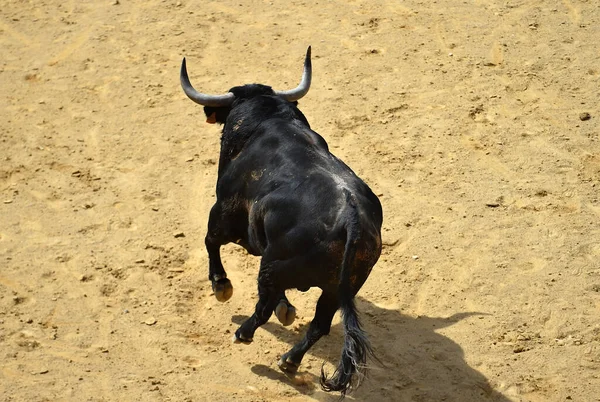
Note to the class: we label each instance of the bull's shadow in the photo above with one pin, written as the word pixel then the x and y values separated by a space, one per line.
pixel 419 363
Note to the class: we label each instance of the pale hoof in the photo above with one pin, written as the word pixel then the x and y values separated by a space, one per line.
pixel 287 366
pixel 286 314
pixel 223 289
pixel 238 339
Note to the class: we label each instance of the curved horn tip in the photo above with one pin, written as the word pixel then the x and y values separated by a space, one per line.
pixel 200 98
pixel 183 67
pixel 302 89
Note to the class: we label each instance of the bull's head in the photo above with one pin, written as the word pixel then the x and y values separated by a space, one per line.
pixel 217 107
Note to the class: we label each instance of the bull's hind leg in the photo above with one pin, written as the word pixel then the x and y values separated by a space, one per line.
pixel 319 326
pixel 284 311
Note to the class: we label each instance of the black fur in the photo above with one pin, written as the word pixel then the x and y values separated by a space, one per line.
pixel 282 195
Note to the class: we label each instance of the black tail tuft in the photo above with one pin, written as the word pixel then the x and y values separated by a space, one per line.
pixel 352 368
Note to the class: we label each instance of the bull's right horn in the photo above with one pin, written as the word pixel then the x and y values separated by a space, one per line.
pixel 302 89
pixel 200 98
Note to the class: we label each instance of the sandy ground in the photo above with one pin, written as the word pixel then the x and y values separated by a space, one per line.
pixel 466 117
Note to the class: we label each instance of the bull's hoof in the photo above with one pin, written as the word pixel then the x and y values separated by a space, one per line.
pixel 287 365
pixel 238 338
pixel 286 313
pixel 223 289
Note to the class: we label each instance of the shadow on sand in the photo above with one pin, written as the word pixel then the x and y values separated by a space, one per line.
pixel 419 364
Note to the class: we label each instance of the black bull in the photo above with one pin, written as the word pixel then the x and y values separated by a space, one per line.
pixel 283 196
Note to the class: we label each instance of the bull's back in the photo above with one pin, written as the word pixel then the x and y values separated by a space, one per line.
pixel 296 168
pixel 294 188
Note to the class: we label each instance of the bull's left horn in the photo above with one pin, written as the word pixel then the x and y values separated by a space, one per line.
pixel 302 89
pixel 200 98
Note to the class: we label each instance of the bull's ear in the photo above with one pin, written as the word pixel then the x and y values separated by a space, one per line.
pixel 216 114
pixel 212 119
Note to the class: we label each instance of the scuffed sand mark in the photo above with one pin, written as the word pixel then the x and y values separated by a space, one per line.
pixel 15 34
pixel 71 48
pixel 574 12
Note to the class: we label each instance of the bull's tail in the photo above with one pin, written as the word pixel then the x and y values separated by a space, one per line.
pixel 352 367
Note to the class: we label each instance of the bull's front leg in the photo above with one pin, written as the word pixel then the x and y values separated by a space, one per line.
pixel 267 300
pixel 223 290
pixel 269 296
pixel 221 286
pixel 215 238
pixel 218 234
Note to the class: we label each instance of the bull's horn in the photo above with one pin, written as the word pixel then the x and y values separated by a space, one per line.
pixel 200 98
pixel 302 89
